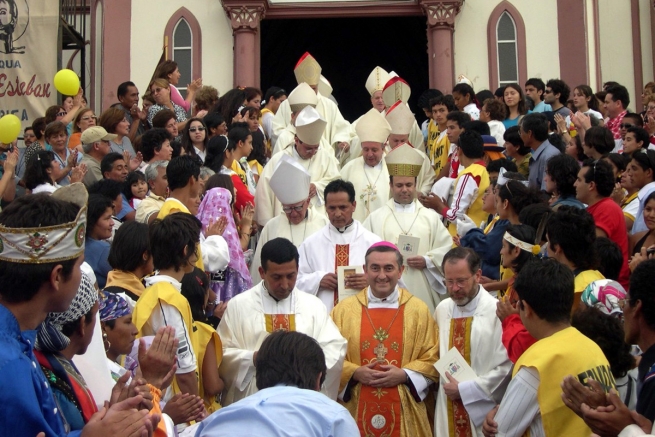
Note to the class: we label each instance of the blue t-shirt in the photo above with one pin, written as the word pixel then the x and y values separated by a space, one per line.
pixel 96 253
pixel 125 210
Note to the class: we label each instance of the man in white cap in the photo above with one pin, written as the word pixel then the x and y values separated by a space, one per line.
pixel 401 120
pixel 319 163
pixel 290 184
pixel 368 173
pixel 343 242
pixel 403 218
pixel 397 89
pixel 95 143
pixel 337 130
pixel 301 96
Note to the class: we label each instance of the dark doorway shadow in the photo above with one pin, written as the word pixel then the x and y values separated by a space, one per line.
pixel 347 49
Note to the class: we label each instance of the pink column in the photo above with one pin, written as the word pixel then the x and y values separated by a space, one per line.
pixel 441 25
pixel 245 19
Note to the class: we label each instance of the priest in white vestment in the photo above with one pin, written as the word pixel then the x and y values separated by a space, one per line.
pixel 319 163
pixel 301 96
pixel 467 321
pixel 290 184
pixel 368 173
pixel 274 304
pixel 343 242
pixel 403 216
pixel 337 130
pixel 400 119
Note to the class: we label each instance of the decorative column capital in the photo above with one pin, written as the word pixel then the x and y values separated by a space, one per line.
pixel 441 13
pixel 245 16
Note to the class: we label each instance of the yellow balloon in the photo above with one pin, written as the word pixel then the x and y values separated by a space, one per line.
pixel 9 128
pixel 67 82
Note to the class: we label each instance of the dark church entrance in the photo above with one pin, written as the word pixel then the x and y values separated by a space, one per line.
pixel 347 49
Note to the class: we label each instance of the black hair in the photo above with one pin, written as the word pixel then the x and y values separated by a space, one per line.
pixel 479 126
pixel 340 186
pixel 187 144
pixel 213 120
pixel 559 87
pixel 496 109
pixel 641 136
pixel 471 144
pixel 36 170
pixel 512 135
pixel 444 100
pixel 645 160
pixel 228 104
pixel 538 84
pixel 517 194
pixel 132 178
pixel 537 123
pixel 107 187
pixel 638 121
pixel 618 160
pixel 466 89
pixel 533 216
pixel 556 140
pixel 98 205
pixel 107 163
pixel 218 180
pixel 38 126
pixel 607 332
pixel 563 170
pixel 580 155
pixel 425 99
pixel 290 358
pixel 599 138
pixel 495 165
pixel 68 329
pixel 641 288
pixel 152 140
pixel 548 287
pixel 600 172
pixel 170 237
pixel 610 258
pixel 258 152
pixel 238 132
pixel 619 92
pixel 574 231
pixel 458 253
pixel 123 88
pixel 131 241
pixel 526 234
pixel 179 170
pixel 215 152
pixel 278 251
pixel 20 282
pixel 195 286
pixel 483 95
pixel 274 92
pixel 162 117
pixel 458 116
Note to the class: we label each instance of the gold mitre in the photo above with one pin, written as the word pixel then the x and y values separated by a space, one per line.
pixel 396 89
pixel 307 70
pixel 377 80
pixel 50 243
pixel 301 96
pixel 400 118
pixel 310 126
pixel 290 181
pixel 404 161
pixel 373 127
pixel 324 87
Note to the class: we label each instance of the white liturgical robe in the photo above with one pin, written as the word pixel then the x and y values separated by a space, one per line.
pixel 488 359
pixel 322 168
pixel 413 219
pixel 287 138
pixel 279 226
pixel 318 252
pixel 426 177
pixel 243 329
pixel 371 185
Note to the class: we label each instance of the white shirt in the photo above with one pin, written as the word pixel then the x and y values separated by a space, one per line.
pixel 519 410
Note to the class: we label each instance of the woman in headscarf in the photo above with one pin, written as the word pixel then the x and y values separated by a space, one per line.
pixel 236 277
pixel 60 337
pixel 118 333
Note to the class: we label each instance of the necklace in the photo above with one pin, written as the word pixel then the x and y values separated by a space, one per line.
pixel 404 232
pixel 370 191
pixel 381 334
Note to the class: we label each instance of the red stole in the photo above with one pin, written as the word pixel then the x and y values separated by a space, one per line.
pixel 341 258
pixel 459 423
pixel 379 410
pixel 280 322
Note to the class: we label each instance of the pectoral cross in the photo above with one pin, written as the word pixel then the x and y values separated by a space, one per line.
pixel 380 352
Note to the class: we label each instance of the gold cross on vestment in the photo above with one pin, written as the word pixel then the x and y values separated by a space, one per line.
pixel 380 352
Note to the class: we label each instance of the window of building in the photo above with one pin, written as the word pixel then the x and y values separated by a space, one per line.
pixel 507 46
pixel 183 53
pixel 508 70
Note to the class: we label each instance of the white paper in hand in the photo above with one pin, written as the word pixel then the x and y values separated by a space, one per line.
pixel 454 364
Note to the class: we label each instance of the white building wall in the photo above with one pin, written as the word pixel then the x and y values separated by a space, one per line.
pixel 646 41
pixel 149 23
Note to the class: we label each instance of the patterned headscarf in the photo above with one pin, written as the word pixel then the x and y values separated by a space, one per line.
pixel 604 294
pixel 112 306
pixel 49 336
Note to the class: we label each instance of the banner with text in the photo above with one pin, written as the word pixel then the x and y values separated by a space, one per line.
pixel 28 57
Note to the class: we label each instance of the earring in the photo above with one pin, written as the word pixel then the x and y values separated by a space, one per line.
pixel 106 342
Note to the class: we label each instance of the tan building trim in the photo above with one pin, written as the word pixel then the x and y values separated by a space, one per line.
pixel 636 54
pixel 573 61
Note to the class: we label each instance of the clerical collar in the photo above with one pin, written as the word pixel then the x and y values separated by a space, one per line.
pixel 404 207
pixel 391 299
pixel 345 228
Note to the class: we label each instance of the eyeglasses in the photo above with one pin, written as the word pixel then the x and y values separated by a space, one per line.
pixel 288 209
pixel 197 129
pixel 461 282
pixel 626 125
pixel 61 114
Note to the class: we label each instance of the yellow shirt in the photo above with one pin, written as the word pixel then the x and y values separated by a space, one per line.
pixel 474 211
pixel 438 147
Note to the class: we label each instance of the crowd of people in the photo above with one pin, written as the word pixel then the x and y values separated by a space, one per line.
pixel 488 273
